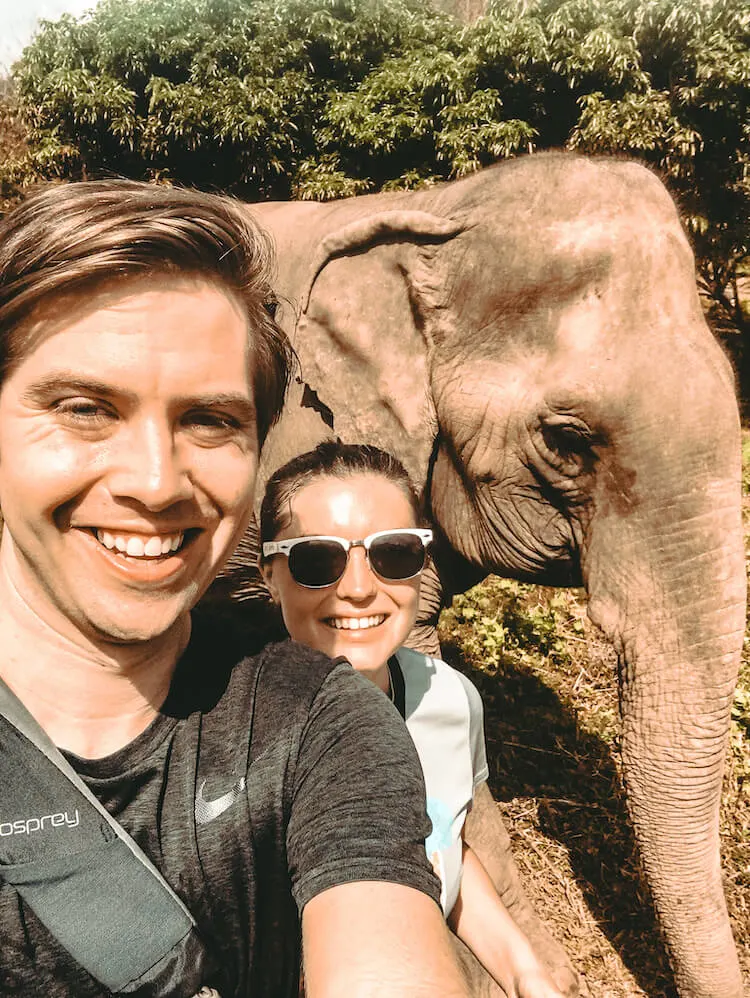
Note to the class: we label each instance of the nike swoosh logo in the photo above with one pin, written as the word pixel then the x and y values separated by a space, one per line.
pixel 208 810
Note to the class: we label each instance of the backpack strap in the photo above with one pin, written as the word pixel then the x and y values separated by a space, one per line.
pixel 83 876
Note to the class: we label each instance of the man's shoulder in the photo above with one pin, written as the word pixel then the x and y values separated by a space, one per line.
pixel 284 674
pixel 286 678
pixel 223 676
pixel 289 664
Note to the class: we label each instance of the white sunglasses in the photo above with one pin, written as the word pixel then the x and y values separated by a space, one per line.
pixel 320 560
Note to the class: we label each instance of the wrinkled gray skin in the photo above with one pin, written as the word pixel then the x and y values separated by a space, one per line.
pixel 530 342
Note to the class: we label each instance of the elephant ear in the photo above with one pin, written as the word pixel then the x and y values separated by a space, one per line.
pixel 362 334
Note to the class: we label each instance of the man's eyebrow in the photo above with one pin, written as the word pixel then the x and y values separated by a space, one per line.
pixel 71 381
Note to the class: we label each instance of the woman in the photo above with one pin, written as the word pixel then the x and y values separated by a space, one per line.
pixel 343 550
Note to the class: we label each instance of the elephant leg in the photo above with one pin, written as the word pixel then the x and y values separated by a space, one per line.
pixel 488 837
pixel 479 983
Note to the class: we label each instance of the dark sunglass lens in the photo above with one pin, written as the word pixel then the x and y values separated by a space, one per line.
pixel 317 563
pixel 397 556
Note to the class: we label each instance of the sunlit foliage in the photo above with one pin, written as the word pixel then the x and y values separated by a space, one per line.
pixel 326 98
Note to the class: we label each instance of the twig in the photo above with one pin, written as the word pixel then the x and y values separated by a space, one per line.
pixel 570 803
pixel 579 677
pixel 532 748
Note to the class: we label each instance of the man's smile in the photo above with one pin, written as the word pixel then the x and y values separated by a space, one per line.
pixel 140 545
pixel 140 558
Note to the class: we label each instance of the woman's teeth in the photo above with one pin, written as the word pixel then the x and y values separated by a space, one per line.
pixel 355 623
pixel 138 546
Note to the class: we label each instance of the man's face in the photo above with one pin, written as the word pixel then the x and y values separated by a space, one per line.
pixel 128 455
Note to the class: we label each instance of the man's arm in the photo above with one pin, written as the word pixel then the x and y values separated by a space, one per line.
pixel 378 940
pixel 372 925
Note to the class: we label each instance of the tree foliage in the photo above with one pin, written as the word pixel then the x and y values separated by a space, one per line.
pixel 326 98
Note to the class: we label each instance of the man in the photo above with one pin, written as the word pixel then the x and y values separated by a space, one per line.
pixel 140 370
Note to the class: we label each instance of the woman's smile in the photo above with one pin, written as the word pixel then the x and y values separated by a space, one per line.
pixel 356 623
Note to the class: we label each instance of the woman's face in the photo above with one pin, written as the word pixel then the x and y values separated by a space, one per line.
pixel 361 616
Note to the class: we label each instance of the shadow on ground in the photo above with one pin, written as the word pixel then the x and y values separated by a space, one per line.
pixel 537 751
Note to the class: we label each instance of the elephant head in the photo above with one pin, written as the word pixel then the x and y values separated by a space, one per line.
pixel 530 342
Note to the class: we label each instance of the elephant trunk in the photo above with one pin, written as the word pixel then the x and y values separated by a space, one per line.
pixel 674 606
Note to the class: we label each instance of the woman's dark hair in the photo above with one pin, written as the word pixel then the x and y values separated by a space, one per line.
pixel 78 238
pixel 331 459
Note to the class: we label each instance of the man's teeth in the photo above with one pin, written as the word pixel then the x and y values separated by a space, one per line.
pixel 136 546
pixel 355 623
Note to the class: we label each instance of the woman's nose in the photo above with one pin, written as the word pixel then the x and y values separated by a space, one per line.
pixel 358 581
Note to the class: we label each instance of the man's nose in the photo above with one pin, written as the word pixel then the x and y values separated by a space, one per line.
pixel 150 466
pixel 358 581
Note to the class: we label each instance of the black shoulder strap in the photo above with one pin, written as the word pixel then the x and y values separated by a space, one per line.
pixel 398 686
pixel 84 877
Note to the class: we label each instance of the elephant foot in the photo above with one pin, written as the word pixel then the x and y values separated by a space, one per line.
pixel 481 985
pixel 488 837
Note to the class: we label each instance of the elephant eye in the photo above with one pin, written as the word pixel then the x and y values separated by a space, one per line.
pixel 570 443
pixel 567 437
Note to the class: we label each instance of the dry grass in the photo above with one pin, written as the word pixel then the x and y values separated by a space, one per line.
pixel 550 697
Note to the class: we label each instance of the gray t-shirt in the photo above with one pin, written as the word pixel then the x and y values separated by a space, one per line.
pixel 332 793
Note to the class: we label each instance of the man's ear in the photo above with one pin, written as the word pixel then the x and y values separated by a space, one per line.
pixel 266 570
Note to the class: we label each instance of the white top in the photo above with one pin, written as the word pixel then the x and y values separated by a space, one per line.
pixel 445 718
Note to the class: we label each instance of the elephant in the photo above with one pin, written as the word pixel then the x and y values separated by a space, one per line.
pixel 530 342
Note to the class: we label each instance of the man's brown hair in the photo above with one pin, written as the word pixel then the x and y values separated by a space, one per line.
pixel 94 234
